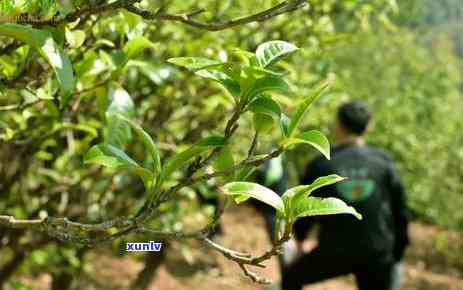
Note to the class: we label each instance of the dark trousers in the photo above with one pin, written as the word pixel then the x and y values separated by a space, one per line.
pixel 372 271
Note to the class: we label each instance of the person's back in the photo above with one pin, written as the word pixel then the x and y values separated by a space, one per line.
pixel 370 180
pixel 367 248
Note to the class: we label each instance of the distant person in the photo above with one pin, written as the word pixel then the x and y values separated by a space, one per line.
pixel 369 248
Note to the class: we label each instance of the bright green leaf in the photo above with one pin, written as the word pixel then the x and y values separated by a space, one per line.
pixel 241 198
pixel 104 42
pixel 120 102
pixel 75 38
pixel 292 195
pixel 157 74
pixel 244 173
pixel 117 131
pixel 212 141
pixel 271 51
pixel 119 59
pixel 314 138
pixel 193 63
pixel 109 156
pixel 254 190
pixel 303 106
pixel 232 86
pixel 315 206
pixel 224 160
pixel 148 142
pixel 265 105
pixel 43 42
pixel 262 123
pixel 112 157
pixel 248 57
pixel 180 159
pixel 136 45
pixel 266 84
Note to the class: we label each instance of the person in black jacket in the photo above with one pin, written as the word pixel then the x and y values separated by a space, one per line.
pixel 368 248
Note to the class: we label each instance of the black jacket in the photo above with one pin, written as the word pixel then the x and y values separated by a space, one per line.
pixel 374 189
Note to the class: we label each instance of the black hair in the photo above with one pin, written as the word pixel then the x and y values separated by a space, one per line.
pixel 354 117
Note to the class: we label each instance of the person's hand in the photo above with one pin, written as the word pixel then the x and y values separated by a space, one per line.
pixel 292 251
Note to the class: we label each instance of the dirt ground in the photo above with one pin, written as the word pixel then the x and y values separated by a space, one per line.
pixel 201 269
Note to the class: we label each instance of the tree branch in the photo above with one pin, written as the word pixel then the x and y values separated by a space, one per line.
pixel 185 18
pixel 20 106
pixel 24 105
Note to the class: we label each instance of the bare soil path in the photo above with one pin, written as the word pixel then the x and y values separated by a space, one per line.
pixel 199 269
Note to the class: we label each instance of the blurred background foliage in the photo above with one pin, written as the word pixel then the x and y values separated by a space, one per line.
pixel 402 57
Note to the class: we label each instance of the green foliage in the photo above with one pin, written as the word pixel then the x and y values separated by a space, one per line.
pixel 150 146
pixel 302 108
pixel 292 196
pixel 312 206
pixel 181 159
pixel 34 7
pixel 253 82
pixel 270 52
pixel 295 202
pixel 245 190
pixel 314 138
pixel 245 81
pixel 43 42
pixel 112 157
pixel 66 114
pixel 120 103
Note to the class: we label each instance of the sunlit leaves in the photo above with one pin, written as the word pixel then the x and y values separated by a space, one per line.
pixel 120 102
pixel 43 42
pixel 181 159
pixel 266 84
pixel 315 206
pixel 295 203
pixel 75 38
pixel 265 105
pixel 245 81
pixel 112 157
pixel 266 112
pixel 225 160
pixel 262 122
pixel 303 106
pixel 193 63
pixel 117 131
pixel 119 59
pixel 137 45
pixel 157 74
pixel 231 85
pixel 314 138
pixel 244 190
pixel 246 56
pixel 270 52
pixel 148 142
pixel 292 195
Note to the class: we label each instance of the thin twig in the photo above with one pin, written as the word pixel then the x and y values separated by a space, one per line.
pixel 253 144
pixel 24 105
pixel 185 18
pixel 20 106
